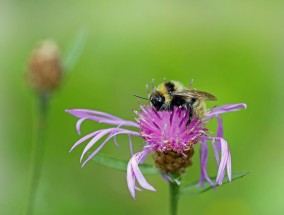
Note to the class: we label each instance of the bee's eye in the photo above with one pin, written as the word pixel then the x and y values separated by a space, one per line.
pixel 157 101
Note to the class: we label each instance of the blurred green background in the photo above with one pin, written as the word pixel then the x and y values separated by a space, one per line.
pixel 233 49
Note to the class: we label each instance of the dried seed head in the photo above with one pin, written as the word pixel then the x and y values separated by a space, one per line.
pixel 45 68
pixel 172 161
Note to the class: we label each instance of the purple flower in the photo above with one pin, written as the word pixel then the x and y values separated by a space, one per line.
pixel 166 136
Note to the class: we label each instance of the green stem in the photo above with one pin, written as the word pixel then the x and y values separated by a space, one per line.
pixel 174 197
pixel 37 153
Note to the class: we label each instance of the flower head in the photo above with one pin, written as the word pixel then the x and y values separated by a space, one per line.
pixel 167 130
pixel 167 136
pixel 45 69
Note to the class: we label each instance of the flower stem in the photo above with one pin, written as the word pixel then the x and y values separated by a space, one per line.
pixel 37 153
pixel 174 197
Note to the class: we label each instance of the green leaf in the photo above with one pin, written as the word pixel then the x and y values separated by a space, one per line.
pixel 193 189
pixel 75 50
pixel 122 165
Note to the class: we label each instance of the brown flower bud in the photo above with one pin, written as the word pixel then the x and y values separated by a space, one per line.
pixel 173 162
pixel 45 68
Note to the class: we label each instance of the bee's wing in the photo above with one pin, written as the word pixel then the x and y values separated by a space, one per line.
pixel 201 95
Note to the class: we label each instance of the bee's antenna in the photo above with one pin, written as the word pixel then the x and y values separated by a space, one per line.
pixel 141 97
pixel 153 84
pixel 190 84
pixel 147 88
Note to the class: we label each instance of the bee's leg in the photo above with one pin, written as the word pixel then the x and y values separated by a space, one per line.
pixel 189 116
pixel 190 110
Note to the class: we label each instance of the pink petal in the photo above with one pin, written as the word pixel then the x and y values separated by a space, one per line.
pixel 83 112
pixel 122 131
pixel 84 139
pixel 225 109
pixel 224 160
pixel 203 163
pixel 138 174
pixel 133 172
pixel 229 167
pixel 130 177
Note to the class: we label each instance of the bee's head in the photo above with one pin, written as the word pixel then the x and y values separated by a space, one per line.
pixel 157 100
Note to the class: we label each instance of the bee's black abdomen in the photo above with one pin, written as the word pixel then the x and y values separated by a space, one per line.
pixel 179 101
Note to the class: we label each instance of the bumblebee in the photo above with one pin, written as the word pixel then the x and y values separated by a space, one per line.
pixel 172 94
